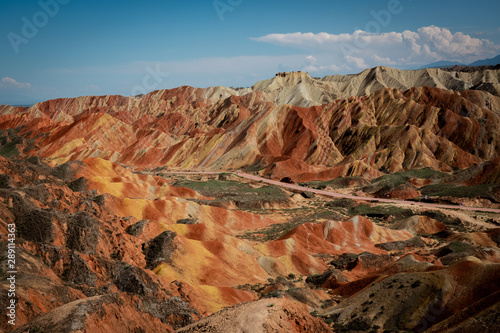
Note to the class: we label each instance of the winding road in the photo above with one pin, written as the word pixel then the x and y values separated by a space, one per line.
pixel 333 194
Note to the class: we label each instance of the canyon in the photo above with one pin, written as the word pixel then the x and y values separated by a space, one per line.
pixel 167 211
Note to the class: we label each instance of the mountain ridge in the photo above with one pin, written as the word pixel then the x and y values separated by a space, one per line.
pixel 478 63
pixel 300 89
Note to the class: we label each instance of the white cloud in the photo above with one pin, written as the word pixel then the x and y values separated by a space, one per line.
pixel 362 48
pixel 311 59
pixel 359 62
pixel 383 61
pixel 8 82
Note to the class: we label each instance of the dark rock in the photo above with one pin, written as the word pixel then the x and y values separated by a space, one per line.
pixel 83 232
pixel 137 228
pixel 188 221
pixel 359 324
pixel 36 226
pixel 5 181
pixel 75 268
pixel 63 172
pixel 173 311
pixel 133 280
pixel 454 247
pixel 223 177
pixel 39 192
pixel 33 224
pixel 159 249
pixel 456 252
pixel 307 194
pixel 341 262
pixel 329 277
pixel 77 271
pixel 370 260
pixel 179 312
pixel 445 234
pixel 35 160
pixel 401 245
pixel 100 199
pixel 78 185
pixel 453 258
pixel 495 235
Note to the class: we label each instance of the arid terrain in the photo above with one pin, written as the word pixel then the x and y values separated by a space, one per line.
pixel 357 203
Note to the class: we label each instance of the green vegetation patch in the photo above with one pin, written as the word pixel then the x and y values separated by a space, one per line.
pixel 343 203
pixel 484 191
pixel 257 166
pixel 9 141
pixel 425 173
pixel 271 232
pixel 389 182
pixel 10 150
pixel 337 183
pixel 243 195
pixel 381 211
pixel 298 217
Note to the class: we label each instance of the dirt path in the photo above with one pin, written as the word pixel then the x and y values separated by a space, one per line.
pixel 334 194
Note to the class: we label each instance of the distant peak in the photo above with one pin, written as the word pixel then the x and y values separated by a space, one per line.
pixel 286 74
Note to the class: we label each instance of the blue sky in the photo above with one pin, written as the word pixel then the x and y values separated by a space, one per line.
pixel 69 48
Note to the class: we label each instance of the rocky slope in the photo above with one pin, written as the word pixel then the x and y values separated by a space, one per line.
pixel 136 254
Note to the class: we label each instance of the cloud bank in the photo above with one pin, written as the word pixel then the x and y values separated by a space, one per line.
pixel 363 49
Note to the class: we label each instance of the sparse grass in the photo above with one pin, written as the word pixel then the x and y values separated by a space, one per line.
pixel 298 216
pixel 36 330
pixel 459 247
pixel 10 150
pixel 272 294
pixel 396 178
pixel 389 182
pixel 343 203
pixel 271 232
pixel 257 166
pixel 115 256
pixel 484 191
pixel 381 211
pixel 337 183
pixel 243 195
pixel 425 173
pixel 9 139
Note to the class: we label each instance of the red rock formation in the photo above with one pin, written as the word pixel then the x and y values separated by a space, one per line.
pixel 389 130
